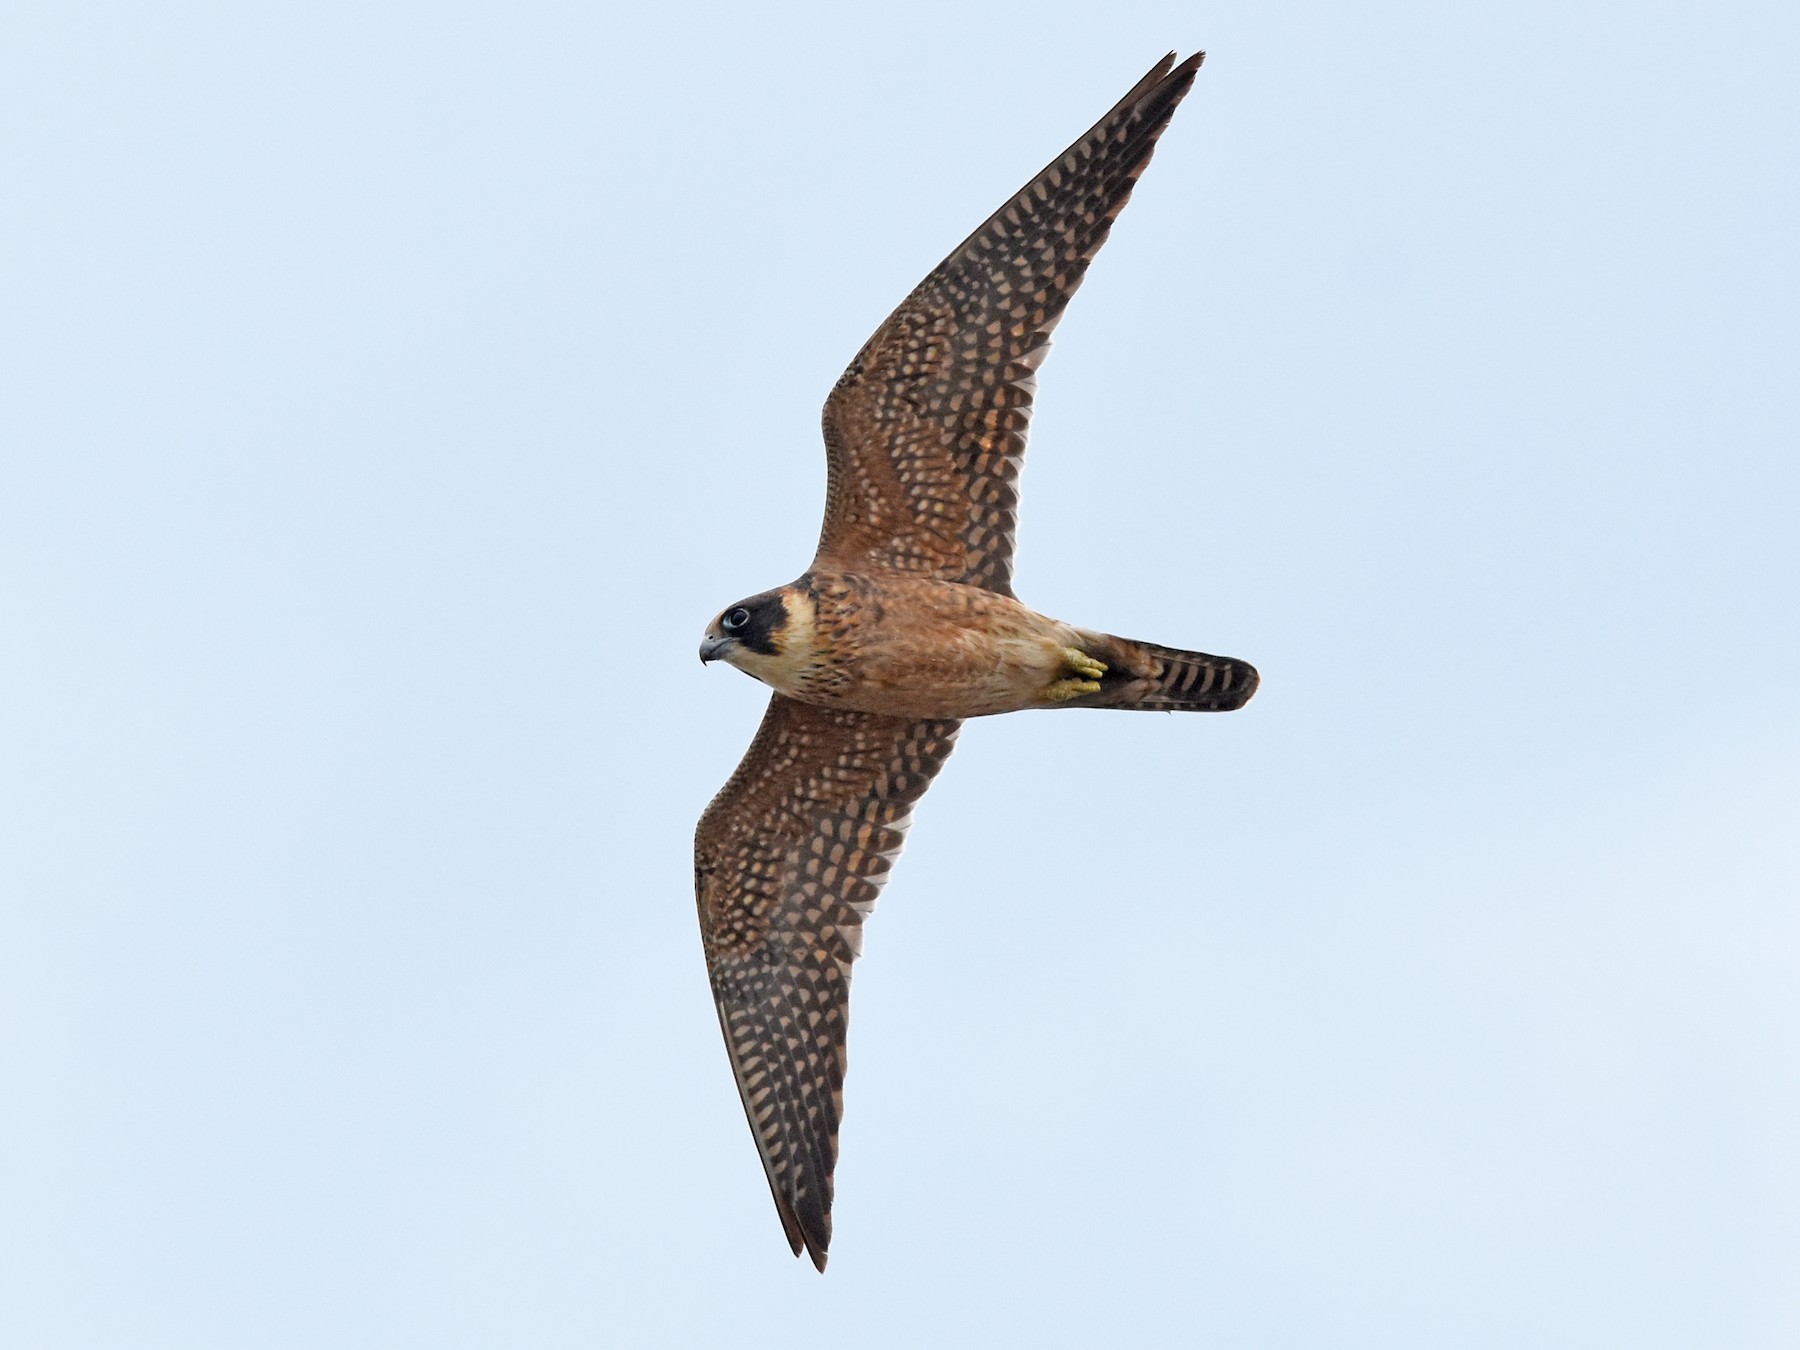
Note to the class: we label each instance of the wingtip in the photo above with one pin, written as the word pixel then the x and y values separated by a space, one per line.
pixel 801 1238
pixel 1164 80
pixel 815 1228
pixel 790 1222
pixel 1252 682
pixel 810 1234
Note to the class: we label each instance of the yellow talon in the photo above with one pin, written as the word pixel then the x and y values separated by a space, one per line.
pixel 1060 691
pixel 1084 665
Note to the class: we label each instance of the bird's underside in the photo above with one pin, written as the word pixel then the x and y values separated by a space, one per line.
pixel 910 646
pixel 905 625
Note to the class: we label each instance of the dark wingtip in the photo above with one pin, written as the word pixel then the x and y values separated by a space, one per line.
pixel 790 1223
pixel 1251 682
pixel 1158 93
pixel 814 1222
pixel 1183 74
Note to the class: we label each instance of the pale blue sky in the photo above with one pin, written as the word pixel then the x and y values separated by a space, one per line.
pixel 392 394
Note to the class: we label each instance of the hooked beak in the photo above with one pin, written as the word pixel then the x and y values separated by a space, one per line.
pixel 713 648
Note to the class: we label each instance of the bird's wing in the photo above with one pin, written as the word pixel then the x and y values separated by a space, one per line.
pixel 788 861
pixel 925 430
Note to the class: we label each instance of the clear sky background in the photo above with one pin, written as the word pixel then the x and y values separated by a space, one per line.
pixel 393 392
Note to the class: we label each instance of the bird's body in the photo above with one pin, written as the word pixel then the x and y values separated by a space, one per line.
pixel 905 625
pixel 906 646
pixel 910 647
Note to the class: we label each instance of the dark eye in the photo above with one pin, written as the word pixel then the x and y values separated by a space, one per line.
pixel 736 619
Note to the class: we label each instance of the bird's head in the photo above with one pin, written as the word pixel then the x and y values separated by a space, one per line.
pixel 767 636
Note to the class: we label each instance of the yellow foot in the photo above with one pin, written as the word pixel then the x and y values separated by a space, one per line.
pixel 1082 664
pixel 1083 678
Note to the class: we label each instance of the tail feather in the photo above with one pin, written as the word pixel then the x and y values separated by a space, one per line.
pixel 1166 679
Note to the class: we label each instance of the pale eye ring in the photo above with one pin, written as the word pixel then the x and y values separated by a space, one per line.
pixel 736 619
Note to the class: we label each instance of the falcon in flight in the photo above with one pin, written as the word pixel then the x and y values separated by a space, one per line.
pixel 904 625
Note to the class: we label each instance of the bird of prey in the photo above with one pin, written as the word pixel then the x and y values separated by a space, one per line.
pixel 904 625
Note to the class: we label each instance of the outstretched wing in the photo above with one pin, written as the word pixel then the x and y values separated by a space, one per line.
pixel 925 431
pixel 788 861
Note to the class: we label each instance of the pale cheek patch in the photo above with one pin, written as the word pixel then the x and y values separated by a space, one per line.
pixel 794 642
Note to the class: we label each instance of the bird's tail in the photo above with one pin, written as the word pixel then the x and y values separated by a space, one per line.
pixel 1165 679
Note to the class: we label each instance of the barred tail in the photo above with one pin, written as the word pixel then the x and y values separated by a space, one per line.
pixel 1165 679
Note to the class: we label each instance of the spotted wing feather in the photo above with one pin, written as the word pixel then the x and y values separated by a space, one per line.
pixel 925 430
pixel 788 861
